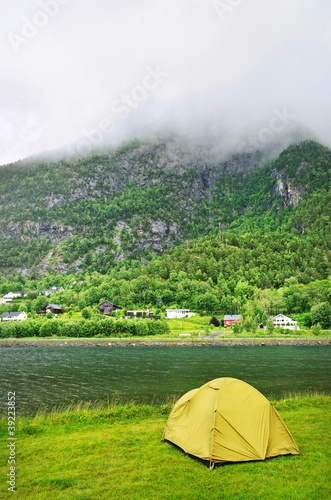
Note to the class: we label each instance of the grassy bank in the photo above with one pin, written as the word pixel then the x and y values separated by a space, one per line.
pixel 115 452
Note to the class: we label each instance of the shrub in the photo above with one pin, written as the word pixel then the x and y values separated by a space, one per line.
pixel 322 314
pixel 316 329
pixel 49 328
pixel 270 326
pixel 141 328
pixel 306 319
pixel 19 329
pixel 7 329
pixel 236 328
pixel 86 313
pixel 107 327
pixel 81 304
pixel 214 321
pixel 104 327
pixel 69 329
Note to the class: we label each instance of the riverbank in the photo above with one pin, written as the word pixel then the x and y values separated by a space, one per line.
pixel 115 452
pixel 240 342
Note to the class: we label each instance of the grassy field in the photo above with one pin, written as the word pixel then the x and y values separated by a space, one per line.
pixel 115 452
pixel 200 325
pixel 194 325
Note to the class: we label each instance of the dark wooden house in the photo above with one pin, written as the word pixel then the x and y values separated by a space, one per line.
pixel 108 307
pixel 53 308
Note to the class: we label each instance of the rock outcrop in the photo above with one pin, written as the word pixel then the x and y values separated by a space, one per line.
pixel 285 188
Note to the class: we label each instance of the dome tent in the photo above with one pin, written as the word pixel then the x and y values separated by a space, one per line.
pixel 227 420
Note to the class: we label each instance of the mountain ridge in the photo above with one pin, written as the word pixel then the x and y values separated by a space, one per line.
pixel 144 198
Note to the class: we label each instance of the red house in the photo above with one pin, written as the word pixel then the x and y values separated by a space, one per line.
pixel 229 319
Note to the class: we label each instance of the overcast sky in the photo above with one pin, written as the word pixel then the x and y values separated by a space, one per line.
pixel 86 71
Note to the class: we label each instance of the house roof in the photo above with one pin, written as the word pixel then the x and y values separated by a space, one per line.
pixel 282 316
pixel 177 310
pixel 107 304
pixel 137 311
pixel 232 316
pixel 16 313
pixel 53 306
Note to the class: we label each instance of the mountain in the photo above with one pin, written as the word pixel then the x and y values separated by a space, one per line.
pixel 142 198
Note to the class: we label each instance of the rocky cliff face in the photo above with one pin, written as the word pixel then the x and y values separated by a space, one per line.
pixel 191 172
pixel 55 232
pixel 285 188
pixel 51 201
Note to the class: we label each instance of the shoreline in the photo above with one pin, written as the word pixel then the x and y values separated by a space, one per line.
pixel 160 343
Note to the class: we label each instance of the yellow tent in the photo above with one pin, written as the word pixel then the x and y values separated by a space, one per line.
pixel 227 420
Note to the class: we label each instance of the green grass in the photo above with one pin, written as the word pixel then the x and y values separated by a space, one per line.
pixel 74 315
pixel 193 325
pixel 115 452
pixel 200 324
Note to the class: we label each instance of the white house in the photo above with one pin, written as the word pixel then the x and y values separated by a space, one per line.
pixel 49 291
pixel 11 295
pixel 14 316
pixel 178 313
pixel 46 291
pixel 139 314
pixel 281 321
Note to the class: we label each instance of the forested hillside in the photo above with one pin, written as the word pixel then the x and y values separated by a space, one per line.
pixel 143 198
pixel 252 274
pixel 151 226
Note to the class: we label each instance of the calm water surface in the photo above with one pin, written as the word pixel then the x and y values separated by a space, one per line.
pixel 52 376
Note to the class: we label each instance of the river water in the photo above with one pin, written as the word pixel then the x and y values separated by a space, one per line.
pixel 48 377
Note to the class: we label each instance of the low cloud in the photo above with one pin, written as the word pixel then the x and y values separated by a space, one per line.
pixel 79 73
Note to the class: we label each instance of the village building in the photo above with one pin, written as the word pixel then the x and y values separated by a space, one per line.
pixel 282 321
pixel 53 308
pixel 14 316
pixel 108 307
pixel 229 319
pixel 178 313
pixel 46 291
pixel 49 291
pixel 141 314
pixel 11 295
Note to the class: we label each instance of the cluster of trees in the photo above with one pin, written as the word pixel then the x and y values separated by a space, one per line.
pixel 102 327
pixel 22 253
pixel 255 276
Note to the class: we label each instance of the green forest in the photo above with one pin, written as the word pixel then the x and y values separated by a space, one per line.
pixel 254 275
pixel 89 196
pixel 243 246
